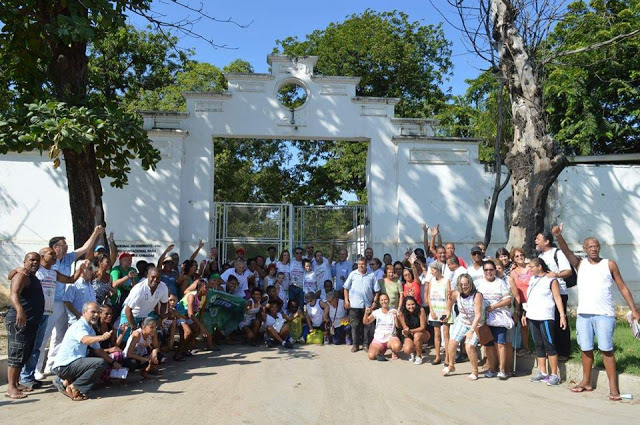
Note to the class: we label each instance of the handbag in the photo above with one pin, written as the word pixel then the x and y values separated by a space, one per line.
pixel 500 318
pixel 484 334
pixel 316 336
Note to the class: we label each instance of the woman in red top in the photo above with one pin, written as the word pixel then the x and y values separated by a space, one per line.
pixel 519 276
pixel 411 286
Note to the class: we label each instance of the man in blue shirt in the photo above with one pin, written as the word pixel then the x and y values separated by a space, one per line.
pixel 361 290
pixel 57 323
pixel 77 373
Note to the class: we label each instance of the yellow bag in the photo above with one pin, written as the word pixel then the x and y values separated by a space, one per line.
pixel 316 336
pixel 295 329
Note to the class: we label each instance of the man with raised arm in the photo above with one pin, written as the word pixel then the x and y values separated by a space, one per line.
pixel 596 312
pixel 64 261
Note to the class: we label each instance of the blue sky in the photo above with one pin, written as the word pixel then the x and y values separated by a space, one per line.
pixel 272 20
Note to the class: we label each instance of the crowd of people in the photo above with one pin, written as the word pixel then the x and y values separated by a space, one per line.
pixel 103 321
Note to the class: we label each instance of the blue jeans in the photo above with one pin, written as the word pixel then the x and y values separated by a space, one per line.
pixel 27 375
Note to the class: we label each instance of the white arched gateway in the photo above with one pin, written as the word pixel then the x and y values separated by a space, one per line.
pixel 413 175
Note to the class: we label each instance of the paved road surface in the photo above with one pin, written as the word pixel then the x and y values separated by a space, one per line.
pixel 317 385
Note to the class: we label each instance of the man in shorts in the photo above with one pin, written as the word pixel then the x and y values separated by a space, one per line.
pixel 596 311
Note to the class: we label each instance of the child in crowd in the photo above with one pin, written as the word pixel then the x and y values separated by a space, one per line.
pixel 294 315
pixel 275 326
pixel 309 280
pixel 169 325
pixel 272 275
pixel 281 287
pixel 250 326
pixel 314 316
pixel 141 351
pixel 326 288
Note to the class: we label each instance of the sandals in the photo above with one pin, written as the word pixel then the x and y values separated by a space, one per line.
pixel 580 389
pixel 446 371
pixel 613 397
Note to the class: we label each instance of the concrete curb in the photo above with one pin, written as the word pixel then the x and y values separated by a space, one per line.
pixel 571 373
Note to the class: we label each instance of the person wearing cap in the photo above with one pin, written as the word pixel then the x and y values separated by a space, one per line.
pixel 168 275
pixel 123 269
pixel 477 261
pixel 101 249
pixel 240 252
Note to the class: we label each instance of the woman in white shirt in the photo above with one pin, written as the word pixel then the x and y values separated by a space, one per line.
pixel 383 337
pixel 543 296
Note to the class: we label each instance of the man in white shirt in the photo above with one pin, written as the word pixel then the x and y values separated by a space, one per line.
pixel 560 269
pixel 322 269
pixel 454 270
pixel 596 312
pixel 143 299
pixel 242 274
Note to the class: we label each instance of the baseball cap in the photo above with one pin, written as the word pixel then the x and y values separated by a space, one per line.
pixel 98 248
pixel 125 254
pixel 240 250
pixel 476 250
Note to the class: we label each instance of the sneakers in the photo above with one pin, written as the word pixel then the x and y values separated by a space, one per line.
pixel 489 374
pixel 287 344
pixel 540 377
pixel 269 342
pixel 325 340
pixel 472 377
pixel 553 380
pixel 502 376
pixel 412 357
pixel 39 375
pixel 418 360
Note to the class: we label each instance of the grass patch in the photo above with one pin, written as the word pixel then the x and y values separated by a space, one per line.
pixel 625 347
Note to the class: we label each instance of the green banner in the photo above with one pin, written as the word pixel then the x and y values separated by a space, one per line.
pixel 223 311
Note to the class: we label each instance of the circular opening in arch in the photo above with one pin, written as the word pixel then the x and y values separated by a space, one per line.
pixel 292 95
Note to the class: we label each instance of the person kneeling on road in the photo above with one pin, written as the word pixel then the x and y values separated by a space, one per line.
pixel 77 373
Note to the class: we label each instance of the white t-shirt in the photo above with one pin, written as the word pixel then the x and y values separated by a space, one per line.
pixel 494 291
pixel 296 273
pixel 48 281
pixel 476 274
pixel 323 272
pixel 142 301
pixel 385 325
pixel 453 276
pixel 270 320
pixel 336 314
pixel 540 303
pixel 309 283
pixel 315 313
pixel 563 264
pixel 286 269
pixel 243 280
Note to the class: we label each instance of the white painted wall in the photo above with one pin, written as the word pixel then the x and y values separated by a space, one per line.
pixel 412 176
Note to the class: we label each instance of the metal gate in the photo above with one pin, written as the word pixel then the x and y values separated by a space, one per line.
pixel 255 227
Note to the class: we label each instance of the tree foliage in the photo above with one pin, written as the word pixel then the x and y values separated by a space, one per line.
pixel 593 98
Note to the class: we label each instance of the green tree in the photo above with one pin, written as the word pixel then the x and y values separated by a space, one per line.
pixel 394 57
pixel 48 103
pixel 592 98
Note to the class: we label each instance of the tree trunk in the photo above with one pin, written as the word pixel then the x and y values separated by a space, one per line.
pixel 85 193
pixel 535 160
pixel 67 71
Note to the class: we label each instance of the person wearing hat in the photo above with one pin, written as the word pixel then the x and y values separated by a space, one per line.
pixel 477 260
pixel 123 269
pixel 240 254
pixel 168 274
pixel 101 249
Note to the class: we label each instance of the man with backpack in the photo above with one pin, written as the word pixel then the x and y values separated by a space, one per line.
pixel 561 269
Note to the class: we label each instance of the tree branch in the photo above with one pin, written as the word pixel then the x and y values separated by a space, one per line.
pixel 594 46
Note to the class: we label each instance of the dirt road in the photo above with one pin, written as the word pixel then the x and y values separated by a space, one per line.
pixel 316 384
